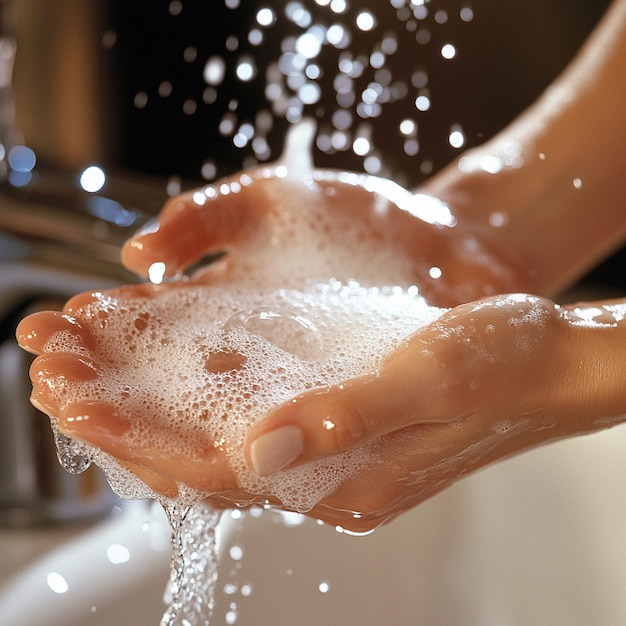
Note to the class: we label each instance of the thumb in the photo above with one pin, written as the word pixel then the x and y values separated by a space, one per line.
pixel 328 421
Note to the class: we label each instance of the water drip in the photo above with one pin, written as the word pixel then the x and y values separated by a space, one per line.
pixel 69 457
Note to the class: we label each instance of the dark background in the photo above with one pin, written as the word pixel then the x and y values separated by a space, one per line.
pixel 90 78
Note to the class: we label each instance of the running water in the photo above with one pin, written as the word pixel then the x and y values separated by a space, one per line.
pixel 195 564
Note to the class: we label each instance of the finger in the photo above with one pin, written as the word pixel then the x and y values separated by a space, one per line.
pixel 325 422
pixel 179 457
pixel 197 223
pixel 468 361
pixel 49 374
pixel 62 364
pixel 35 331
pixel 156 482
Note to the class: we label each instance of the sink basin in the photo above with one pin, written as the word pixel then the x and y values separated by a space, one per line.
pixel 538 539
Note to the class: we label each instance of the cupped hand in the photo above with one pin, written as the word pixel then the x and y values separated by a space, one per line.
pixel 321 224
pixel 69 386
pixel 482 382
pixel 486 380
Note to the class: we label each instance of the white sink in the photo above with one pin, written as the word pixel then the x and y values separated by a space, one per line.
pixel 539 539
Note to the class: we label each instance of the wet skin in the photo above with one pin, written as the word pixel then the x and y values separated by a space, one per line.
pixel 450 388
pixel 466 368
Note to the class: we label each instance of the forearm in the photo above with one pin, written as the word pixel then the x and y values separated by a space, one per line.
pixel 551 187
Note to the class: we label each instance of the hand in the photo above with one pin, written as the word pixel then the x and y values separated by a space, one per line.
pixel 486 380
pixel 83 378
pixel 323 224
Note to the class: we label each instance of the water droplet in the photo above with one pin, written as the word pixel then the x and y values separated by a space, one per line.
pixel 419 78
pixel 92 179
pixel 236 553
pixel 365 21
pixel 456 137
pixel 246 68
pixel 389 44
pixel 232 43
pixel 411 147
pixel 57 583
pixel 448 51
pixel 422 36
pixel 377 59
pixel 209 170
pixel 338 36
pixel 190 107
pixel 156 272
pixel 214 70
pixel 190 53
pixel 109 39
pixel 173 186
pixel 361 146
pixel 175 7
pixel 498 219
pixel 165 89
pixel 140 100
pixel 422 102
pixel 467 14
pixel 69 453
pixel 338 6
pixel 309 44
pixel 309 93
pixel 298 14
pixel 117 554
pixel 255 37
pixel 265 16
pixel 420 11
pixel 372 165
pixel 408 127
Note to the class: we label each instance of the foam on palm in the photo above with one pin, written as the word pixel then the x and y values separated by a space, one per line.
pixel 230 354
pixel 205 359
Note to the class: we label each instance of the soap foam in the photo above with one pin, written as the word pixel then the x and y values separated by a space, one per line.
pixel 208 357
pixel 227 357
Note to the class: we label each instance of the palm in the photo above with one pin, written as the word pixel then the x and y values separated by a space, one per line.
pixel 321 224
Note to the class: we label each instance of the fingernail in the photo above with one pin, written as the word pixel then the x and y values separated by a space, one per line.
pixel 275 450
